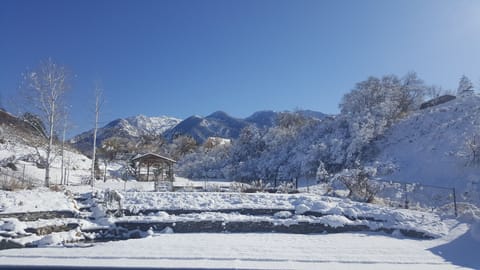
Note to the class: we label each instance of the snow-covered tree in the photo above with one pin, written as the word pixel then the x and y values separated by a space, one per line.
pixel 182 145
pixel 435 91
pixel 465 86
pixel 321 173
pixel 375 104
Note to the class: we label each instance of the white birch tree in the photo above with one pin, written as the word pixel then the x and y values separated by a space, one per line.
pixel 44 89
pixel 98 91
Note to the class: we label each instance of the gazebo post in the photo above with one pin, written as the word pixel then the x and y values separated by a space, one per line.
pixel 148 170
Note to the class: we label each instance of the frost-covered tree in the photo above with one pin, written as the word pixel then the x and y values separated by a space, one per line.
pixel 182 145
pixel 375 104
pixel 322 173
pixel 435 91
pixel 465 86
pixel 151 143
pixel 411 93
pixel 44 89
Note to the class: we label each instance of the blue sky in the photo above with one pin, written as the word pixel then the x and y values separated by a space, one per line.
pixel 180 58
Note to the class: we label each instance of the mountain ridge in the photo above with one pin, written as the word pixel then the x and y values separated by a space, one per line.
pixel 216 124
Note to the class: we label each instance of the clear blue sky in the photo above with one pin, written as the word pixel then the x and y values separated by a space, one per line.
pixel 180 58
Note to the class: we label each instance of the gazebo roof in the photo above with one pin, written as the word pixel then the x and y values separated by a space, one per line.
pixel 141 157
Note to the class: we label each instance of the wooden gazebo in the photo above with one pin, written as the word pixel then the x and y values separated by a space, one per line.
pixel 153 167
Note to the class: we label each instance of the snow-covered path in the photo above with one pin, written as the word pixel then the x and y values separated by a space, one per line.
pixel 237 251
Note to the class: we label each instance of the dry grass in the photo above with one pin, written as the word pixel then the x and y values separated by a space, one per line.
pixel 12 184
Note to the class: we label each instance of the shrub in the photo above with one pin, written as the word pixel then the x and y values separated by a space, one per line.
pixel 359 183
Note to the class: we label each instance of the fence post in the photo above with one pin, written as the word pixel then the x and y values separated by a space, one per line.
pixel 23 174
pixel 406 196
pixel 455 202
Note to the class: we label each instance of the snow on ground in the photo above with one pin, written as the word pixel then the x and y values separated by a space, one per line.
pixel 263 251
pixel 24 157
pixel 456 245
pixel 35 200
pixel 140 186
pixel 429 146
pixel 335 210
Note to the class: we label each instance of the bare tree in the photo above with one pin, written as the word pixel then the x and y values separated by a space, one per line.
pixel 44 89
pixel 98 105
pixel 64 131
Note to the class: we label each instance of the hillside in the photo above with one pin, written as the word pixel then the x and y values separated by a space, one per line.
pixel 430 146
pixel 22 128
pixel 21 151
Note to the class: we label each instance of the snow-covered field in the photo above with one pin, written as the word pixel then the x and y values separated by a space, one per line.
pixel 266 251
pixel 455 244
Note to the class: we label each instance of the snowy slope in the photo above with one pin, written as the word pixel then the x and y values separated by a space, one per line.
pixel 21 150
pixel 24 157
pixel 429 146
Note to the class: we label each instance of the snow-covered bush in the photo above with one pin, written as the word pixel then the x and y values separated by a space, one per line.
pixel 238 187
pixel 258 186
pixel 286 187
pixel 359 184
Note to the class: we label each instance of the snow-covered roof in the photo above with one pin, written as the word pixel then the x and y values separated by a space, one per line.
pixel 143 156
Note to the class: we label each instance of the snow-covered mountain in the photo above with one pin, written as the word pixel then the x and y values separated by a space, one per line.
pixel 431 146
pixel 220 124
pixel 217 124
pixel 131 128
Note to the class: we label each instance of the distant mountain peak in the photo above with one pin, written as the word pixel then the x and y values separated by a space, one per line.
pixel 219 115
pixel 130 127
